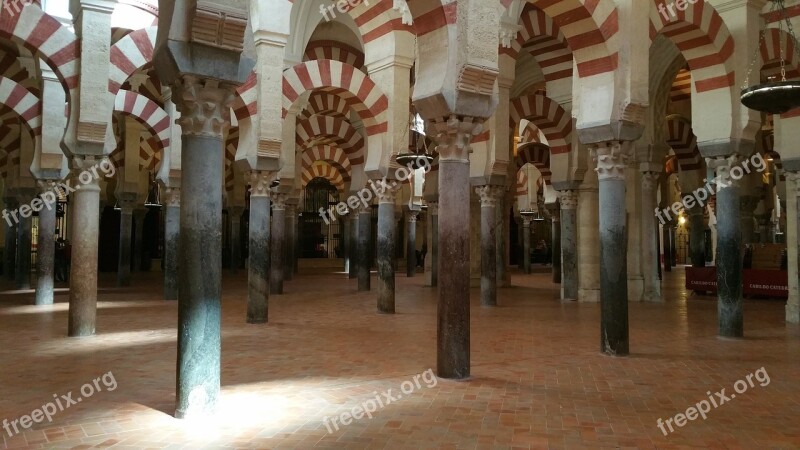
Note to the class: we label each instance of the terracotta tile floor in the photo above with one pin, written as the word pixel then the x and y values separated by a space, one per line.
pixel 538 380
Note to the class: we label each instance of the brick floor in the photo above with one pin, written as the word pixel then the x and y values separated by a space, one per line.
pixel 538 380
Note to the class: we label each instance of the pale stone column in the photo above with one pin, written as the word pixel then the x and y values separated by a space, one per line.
pixel 433 214
pixel 258 279
pixel 172 224
pixel 649 230
pixel 23 262
pixel 792 235
pixel 501 230
pixel 411 244
pixel 526 244
pixel 83 267
pixel 386 252
pixel 588 239
pixel 453 330
pixel 125 231
pixel 612 160
pixel 277 243
pixel 291 240
pixel 45 248
pixel 555 242
pixel 364 236
pixel 10 250
pixel 697 236
pixel 205 114
pixel 568 200
pixel 730 302
pixel 138 246
pixel 352 237
pixel 489 196
pixel 235 228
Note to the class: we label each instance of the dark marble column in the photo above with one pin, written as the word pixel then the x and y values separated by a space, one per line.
pixel 352 238
pixel 386 252
pixel 433 212
pixel 10 249
pixel 277 243
pixel 235 229
pixel 205 114
pixel 747 204
pixel 125 232
pixel 649 230
pixel 85 212
pixel 730 302
pixel 453 330
pixel 697 237
pixel 500 236
pixel 258 249
pixel 172 223
pixel 411 244
pixel 138 243
pixel 346 233
pixel 362 248
pixel 291 231
pixel 46 249
pixel 489 196
pixel 612 159
pixel 568 199
pixel 667 238
pixel 555 243
pixel 526 244
pixel 23 261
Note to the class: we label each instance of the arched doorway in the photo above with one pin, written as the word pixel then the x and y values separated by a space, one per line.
pixel 318 238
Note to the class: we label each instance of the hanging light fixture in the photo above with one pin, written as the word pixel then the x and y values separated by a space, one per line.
pixel 417 155
pixel 773 97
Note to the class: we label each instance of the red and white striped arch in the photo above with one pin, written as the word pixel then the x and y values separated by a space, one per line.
pixel 322 169
pixel 334 50
pixel 10 67
pixel 150 153
pixel 20 100
pixel 684 143
pixel 351 83
pixel 327 104
pixel 318 130
pixel 704 40
pixel 536 154
pixel 231 145
pixel 245 104
pixel 130 54
pixel 148 113
pixel 530 134
pixel 542 38
pixel 681 86
pixel 331 155
pixel 521 187
pixel 548 116
pixel 777 44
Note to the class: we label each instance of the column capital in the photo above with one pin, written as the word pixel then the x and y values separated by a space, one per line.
pixel 204 106
pixel 454 134
pixel 433 208
pixel 526 221
pixel 568 199
pixel 723 167
pixel 173 197
pixel 413 216
pixel 260 182
pixel 387 194
pixel 279 201
pixel 489 195
pixel 650 180
pixel 611 159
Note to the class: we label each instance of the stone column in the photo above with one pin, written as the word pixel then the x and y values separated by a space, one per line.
pixel 10 250
pixel 433 213
pixel 649 230
pixel 588 221
pixel 46 249
pixel 729 254
pixel 526 244
pixel 345 234
pixel 386 253
pixel 364 215
pixel 697 237
pixel 23 260
pixel 258 280
pixel 235 229
pixel 793 255
pixel 666 233
pixel 453 338
pixel 489 196
pixel 501 232
pixel 747 204
pixel 205 114
pixel 125 230
pixel 555 243
pixel 277 243
pixel 411 244
pixel 352 237
pixel 612 159
pixel 138 246
pixel 568 199
pixel 172 223
pixel 85 223
pixel 291 237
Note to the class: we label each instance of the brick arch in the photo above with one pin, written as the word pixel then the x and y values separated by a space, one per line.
pixel 335 51
pixel 20 100
pixel 536 154
pixel 704 40
pixel 683 142
pixel 148 113
pixel 530 134
pixel 329 154
pixel 776 42
pixel 130 54
pixel 331 130
pixel 327 104
pixel 323 170
pixel 548 116
pixel 370 103
pixel 10 142
pixel 541 37
pixel 521 184
pixel 231 146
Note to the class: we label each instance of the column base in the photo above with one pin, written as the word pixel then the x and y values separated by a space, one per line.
pixel 793 313
pixel 589 295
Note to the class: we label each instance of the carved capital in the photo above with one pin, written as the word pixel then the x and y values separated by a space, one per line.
pixel 173 197
pixel 387 194
pixel 650 180
pixel 794 179
pixel 611 159
pixel 527 221
pixel 413 216
pixel 722 166
pixel 279 201
pixel 260 182
pixel 454 135
pixel 204 106
pixel 568 199
pixel 433 208
pixel 489 195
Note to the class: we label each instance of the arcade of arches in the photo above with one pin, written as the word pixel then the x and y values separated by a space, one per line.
pixel 223 184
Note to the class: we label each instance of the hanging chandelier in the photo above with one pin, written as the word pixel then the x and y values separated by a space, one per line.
pixel 417 155
pixel 773 97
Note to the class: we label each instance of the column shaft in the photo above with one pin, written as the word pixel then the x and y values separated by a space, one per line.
pixel 258 254
pixel 290 229
pixel 649 230
pixel 386 252
pixel 362 248
pixel 85 214
pixel 729 261
pixel 172 230
pixel 45 256
pixel 697 237
pixel 526 245
pixel 569 245
pixel 489 196
pixel 411 244
pixel 555 245
pixel 10 251
pixel 277 243
pixel 23 272
pixel 793 256
pixel 125 231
